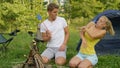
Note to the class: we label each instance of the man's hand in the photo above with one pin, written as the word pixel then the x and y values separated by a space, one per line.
pixel 62 47
pixel 48 33
pixel 46 36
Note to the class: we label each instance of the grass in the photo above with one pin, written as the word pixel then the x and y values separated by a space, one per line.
pixel 19 47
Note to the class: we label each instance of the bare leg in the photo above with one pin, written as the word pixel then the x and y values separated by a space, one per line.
pixel 85 64
pixel 60 60
pixel 74 62
pixel 90 66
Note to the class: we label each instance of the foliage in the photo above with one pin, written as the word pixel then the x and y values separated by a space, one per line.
pixel 19 48
pixel 83 9
pixel 9 14
pixel 18 16
pixel 21 14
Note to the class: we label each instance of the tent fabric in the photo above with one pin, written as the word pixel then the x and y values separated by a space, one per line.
pixel 114 17
pixel 109 13
pixel 109 44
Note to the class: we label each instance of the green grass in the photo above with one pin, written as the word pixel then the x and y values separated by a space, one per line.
pixel 20 46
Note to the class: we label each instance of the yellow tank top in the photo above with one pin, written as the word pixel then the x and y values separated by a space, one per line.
pixel 90 45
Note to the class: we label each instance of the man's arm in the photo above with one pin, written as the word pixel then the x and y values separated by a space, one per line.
pixel 66 35
pixel 63 46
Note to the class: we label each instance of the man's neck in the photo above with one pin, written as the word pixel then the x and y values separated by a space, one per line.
pixel 51 19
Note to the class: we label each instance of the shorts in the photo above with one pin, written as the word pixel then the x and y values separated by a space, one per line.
pixel 52 52
pixel 92 58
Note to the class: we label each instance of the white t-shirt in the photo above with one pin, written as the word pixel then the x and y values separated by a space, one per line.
pixel 57 30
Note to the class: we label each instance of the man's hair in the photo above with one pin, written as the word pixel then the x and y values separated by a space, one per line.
pixel 52 6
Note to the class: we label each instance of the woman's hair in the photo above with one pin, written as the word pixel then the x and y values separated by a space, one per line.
pixel 109 26
pixel 52 6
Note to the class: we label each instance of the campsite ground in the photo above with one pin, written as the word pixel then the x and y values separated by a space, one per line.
pixel 19 48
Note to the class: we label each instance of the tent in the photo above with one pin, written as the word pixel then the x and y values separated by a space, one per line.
pixel 109 44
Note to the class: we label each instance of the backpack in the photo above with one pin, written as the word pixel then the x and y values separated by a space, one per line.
pixel 38 33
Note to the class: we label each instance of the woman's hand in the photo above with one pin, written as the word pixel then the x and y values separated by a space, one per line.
pixel 82 29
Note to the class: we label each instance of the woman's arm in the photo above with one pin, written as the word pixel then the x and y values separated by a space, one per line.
pixel 87 26
pixel 90 24
pixel 82 29
pixel 82 33
pixel 95 35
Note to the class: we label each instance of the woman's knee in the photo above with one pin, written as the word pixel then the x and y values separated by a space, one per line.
pixel 84 65
pixel 72 65
pixel 74 62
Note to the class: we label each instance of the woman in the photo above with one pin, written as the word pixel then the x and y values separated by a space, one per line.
pixel 91 35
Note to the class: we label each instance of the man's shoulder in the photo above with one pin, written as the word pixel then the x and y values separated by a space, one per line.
pixel 45 21
pixel 60 17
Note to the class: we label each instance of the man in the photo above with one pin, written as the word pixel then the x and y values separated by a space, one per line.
pixel 55 31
